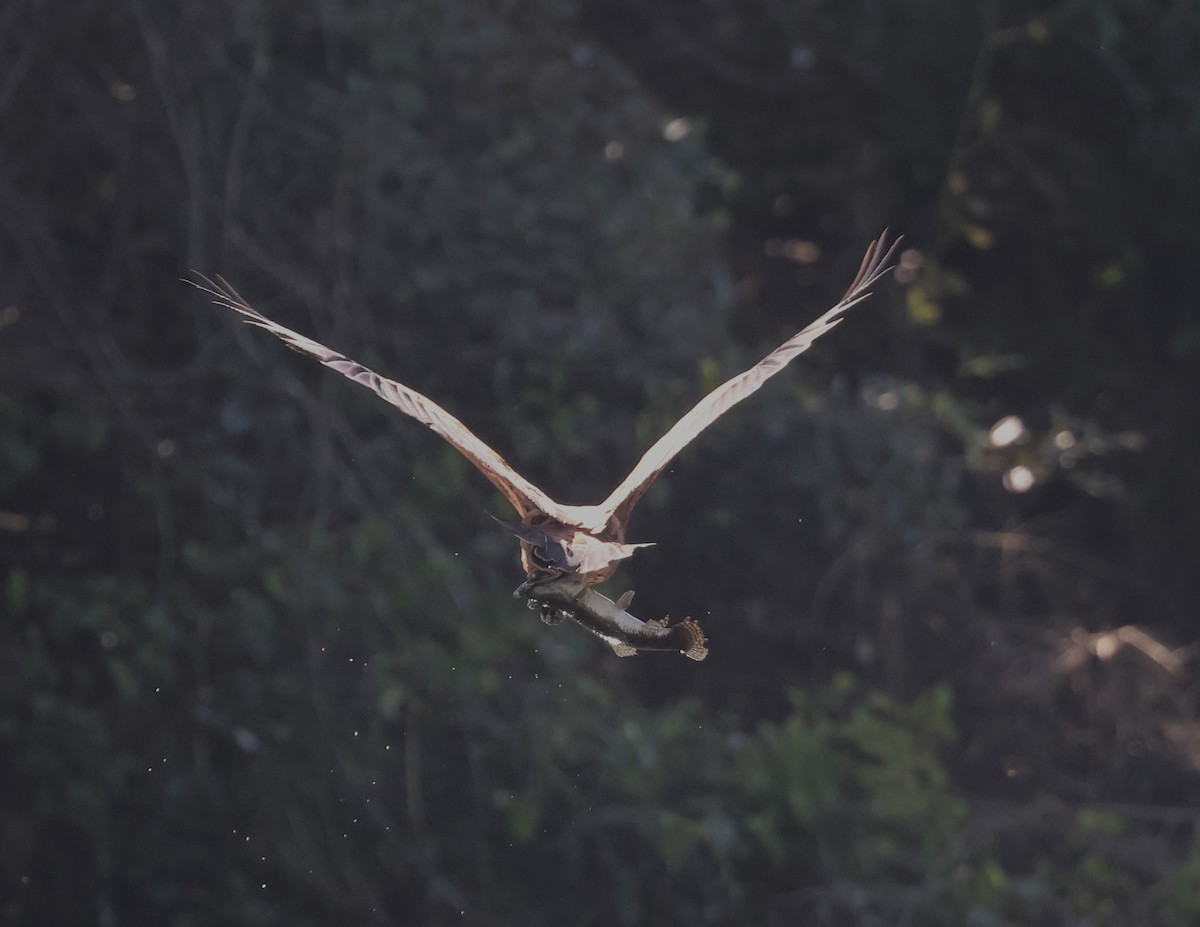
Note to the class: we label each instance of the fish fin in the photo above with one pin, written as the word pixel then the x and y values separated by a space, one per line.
pixel 622 649
pixel 694 639
pixel 625 600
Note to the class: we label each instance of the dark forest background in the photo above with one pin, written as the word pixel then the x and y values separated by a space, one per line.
pixel 259 659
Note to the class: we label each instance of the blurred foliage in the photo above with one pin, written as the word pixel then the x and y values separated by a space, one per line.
pixel 258 658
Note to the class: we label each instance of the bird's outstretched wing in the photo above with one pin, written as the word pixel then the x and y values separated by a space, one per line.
pixel 523 495
pixel 622 499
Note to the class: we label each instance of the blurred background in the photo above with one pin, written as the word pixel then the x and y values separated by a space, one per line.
pixel 259 659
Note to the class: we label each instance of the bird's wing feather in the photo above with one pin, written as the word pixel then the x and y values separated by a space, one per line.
pixel 622 499
pixel 523 495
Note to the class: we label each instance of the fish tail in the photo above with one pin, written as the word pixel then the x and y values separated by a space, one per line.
pixel 693 639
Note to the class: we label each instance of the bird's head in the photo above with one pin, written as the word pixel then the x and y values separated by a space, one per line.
pixel 545 551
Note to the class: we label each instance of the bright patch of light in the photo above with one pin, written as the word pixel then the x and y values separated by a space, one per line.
pixel 1019 479
pixel 909 264
pixel 614 150
pixel 676 129
pixel 1064 440
pixel 1106 646
pixel 1006 431
pixel 794 249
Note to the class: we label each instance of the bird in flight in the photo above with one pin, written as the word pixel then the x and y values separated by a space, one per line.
pixel 579 544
